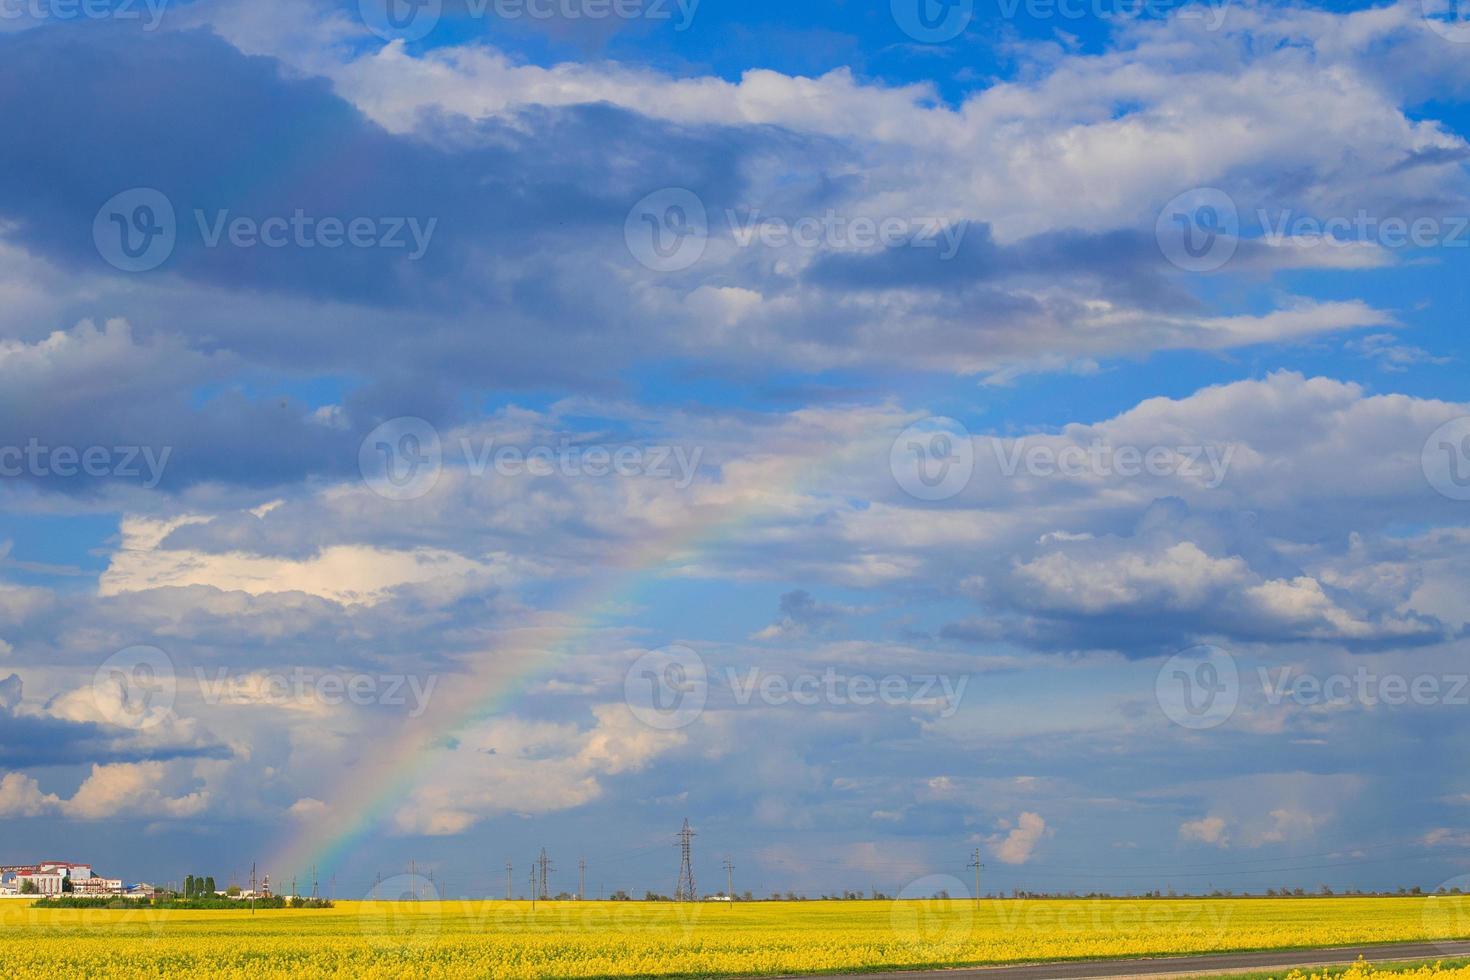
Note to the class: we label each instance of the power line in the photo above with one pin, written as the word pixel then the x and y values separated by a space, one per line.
pixel 977 865
pixel 546 867
pixel 684 890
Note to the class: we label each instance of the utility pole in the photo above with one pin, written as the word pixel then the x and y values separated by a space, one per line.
pixel 313 882
pixel 508 889
pixel 975 863
pixel 684 890
pixel 533 886
pixel 376 882
pixel 730 880
pixel 581 879
pixel 545 863
pixel 252 887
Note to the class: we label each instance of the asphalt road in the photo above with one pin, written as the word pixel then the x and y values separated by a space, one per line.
pixel 1174 966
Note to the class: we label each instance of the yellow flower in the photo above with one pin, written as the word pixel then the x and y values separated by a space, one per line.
pixel 373 940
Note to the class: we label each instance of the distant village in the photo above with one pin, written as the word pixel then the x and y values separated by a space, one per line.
pixel 49 879
pixel 63 877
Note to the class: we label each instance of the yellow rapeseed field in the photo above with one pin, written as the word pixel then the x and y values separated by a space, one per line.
pixel 1366 971
pixel 368 940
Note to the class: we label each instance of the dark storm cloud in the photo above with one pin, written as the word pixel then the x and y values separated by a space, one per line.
pixel 32 740
pixel 230 135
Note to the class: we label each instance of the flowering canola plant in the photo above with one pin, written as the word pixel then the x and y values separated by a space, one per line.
pixel 381 939
pixel 1366 971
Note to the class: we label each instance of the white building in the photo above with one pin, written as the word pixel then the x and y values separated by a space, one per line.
pixel 54 878
pixel 97 885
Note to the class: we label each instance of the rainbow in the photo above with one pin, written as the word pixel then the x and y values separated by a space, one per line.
pixel 387 773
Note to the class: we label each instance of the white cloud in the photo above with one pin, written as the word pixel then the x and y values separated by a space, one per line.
pixel 131 790
pixel 1206 830
pixel 119 791
pixel 308 808
pixel 513 766
pixel 1019 845
pixel 347 574
pixel 21 796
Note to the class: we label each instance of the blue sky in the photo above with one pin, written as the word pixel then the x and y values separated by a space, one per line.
pixel 873 431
